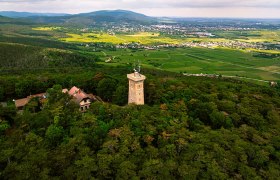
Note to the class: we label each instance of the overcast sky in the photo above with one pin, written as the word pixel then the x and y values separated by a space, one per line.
pixel 173 8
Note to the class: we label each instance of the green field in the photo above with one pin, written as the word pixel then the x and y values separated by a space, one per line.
pixel 251 36
pixel 199 60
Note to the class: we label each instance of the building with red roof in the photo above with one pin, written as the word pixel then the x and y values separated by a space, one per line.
pixel 81 98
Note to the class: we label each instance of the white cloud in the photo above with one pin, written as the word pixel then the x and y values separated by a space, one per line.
pixel 217 8
pixel 164 3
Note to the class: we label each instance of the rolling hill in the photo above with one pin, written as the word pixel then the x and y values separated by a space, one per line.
pixel 97 17
pixel 14 14
pixel 117 15
pixel 15 21
pixel 4 19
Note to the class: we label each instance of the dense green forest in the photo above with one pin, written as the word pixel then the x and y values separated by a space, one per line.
pixel 190 128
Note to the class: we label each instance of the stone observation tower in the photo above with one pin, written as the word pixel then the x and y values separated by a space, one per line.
pixel 136 88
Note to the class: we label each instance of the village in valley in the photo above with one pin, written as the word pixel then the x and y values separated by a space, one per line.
pixel 204 36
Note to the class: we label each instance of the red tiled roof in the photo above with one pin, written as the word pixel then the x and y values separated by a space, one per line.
pixel 21 102
pixel 73 90
pixel 78 94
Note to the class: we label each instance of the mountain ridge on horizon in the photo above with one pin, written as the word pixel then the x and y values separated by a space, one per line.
pixel 91 18
pixel 26 14
pixel 18 14
pixel 23 14
pixel 113 17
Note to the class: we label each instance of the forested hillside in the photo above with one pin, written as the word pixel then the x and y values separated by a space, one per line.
pixel 96 18
pixel 30 57
pixel 191 128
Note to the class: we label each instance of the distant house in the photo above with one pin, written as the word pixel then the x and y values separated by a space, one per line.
pixel 81 98
pixel 273 84
pixel 20 103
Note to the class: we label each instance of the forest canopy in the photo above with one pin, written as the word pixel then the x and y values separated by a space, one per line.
pixel 214 129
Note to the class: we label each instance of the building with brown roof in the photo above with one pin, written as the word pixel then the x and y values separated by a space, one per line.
pixel 78 96
pixel 20 103
pixel 81 98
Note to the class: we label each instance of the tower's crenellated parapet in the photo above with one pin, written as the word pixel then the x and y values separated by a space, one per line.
pixel 136 88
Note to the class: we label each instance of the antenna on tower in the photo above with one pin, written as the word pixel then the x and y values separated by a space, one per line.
pixel 134 67
pixel 139 66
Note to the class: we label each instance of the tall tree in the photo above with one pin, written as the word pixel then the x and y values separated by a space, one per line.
pixel 106 88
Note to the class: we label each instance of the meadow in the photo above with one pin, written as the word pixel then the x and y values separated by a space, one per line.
pixel 252 36
pixel 198 60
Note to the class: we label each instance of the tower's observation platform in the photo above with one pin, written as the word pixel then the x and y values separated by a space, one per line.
pixel 136 88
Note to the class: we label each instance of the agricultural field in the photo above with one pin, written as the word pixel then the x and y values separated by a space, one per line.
pixel 47 28
pixel 199 60
pixel 145 38
pixel 142 38
pixel 250 36
pixel 271 36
